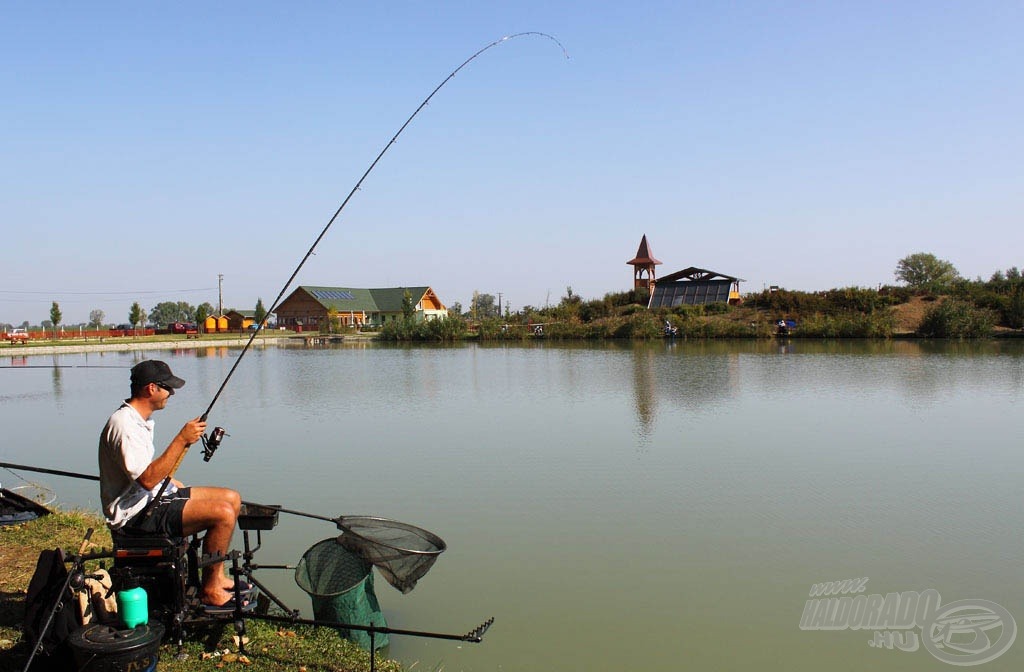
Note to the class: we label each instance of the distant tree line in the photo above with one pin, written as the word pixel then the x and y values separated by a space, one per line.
pixel 159 316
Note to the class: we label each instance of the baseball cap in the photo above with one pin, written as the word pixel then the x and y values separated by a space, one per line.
pixel 154 371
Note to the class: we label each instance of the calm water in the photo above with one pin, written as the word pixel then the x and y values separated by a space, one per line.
pixel 658 506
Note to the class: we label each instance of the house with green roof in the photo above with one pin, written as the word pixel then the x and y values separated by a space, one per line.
pixel 240 319
pixel 310 306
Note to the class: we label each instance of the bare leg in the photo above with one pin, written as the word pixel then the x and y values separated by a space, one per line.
pixel 214 510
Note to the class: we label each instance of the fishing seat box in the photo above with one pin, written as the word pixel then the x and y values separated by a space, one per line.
pixel 166 567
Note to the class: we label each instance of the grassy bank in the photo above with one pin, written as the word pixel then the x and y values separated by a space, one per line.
pixel 271 647
pixel 849 312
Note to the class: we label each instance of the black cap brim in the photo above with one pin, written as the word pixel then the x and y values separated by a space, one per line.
pixel 174 381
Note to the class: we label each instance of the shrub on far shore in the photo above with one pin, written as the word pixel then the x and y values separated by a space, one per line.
pixel 847 325
pixel 443 329
pixel 953 318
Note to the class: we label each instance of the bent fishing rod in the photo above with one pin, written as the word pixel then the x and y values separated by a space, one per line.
pixel 212 442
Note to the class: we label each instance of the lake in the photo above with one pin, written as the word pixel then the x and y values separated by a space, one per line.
pixel 657 506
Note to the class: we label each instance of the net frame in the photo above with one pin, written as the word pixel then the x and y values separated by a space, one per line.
pixel 403 553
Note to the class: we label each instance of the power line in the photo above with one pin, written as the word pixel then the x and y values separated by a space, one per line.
pixel 113 293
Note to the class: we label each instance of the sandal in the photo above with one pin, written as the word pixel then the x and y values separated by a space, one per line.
pixel 228 607
pixel 244 587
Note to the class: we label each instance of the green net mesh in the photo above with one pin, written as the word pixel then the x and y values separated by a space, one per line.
pixel 340 584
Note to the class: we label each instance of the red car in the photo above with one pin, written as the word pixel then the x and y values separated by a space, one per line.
pixel 16 335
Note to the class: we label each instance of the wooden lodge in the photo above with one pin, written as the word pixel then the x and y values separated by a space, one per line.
pixel 308 306
pixel 690 286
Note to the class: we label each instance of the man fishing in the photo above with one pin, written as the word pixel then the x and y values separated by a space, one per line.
pixel 130 479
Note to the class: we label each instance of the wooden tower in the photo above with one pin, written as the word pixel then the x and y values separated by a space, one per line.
pixel 643 266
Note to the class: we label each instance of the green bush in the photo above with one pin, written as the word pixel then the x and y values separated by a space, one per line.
pixel 847 325
pixel 954 318
pixel 716 327
pixel 632 309
pixel 444 329
pixel 640 326
pixel 687 311
pixel 1014 313
pixel 634 296
pixel 836 301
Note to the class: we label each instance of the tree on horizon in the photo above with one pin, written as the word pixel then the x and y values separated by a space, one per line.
pixel 924 270
pixel 55 317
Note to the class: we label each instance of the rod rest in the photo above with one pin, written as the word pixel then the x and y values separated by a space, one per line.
pixel 256 517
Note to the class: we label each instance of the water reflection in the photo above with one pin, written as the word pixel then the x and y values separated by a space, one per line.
pixel 704 485
pixel 644 392
pixel 56 378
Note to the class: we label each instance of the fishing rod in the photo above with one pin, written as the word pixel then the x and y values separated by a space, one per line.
pixel 358 184
pixel 56 472
pixel 212 442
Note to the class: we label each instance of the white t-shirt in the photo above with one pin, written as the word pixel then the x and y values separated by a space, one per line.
pixel 125 451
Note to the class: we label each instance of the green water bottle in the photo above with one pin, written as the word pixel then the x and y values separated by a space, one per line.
pixel 132 603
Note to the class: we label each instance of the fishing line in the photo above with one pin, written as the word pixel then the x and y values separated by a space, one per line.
pixel 358 184
pixel 210 443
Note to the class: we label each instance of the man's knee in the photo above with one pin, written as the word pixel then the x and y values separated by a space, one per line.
pixel 235 500
pixel 231 498
pixel 208 514
pixel 226 512
pixel 217 494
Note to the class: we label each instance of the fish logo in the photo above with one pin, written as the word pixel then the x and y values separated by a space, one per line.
pixel 960 633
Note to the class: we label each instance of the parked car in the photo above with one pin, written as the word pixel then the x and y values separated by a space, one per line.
pixel 181 327
pixel 16 335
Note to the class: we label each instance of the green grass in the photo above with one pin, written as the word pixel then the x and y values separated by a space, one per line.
pixel 270 647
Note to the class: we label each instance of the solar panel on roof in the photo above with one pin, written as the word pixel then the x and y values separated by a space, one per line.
pixel 331 294
pixel 670 295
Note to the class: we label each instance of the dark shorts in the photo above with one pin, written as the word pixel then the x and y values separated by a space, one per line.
pixel 164 517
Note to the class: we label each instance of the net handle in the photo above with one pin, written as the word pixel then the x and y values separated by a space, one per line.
pixel 339 521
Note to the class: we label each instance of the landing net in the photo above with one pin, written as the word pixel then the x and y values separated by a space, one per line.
pixel 402 553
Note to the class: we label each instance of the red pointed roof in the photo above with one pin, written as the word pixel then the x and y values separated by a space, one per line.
pixel 643 255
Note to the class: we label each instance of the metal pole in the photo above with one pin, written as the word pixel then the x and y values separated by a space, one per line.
pixel 373 647
pixel 56 472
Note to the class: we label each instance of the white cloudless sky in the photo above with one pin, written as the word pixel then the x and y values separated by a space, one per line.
pixel 148 147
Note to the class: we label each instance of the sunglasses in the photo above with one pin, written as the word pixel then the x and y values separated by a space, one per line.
pixel 170 390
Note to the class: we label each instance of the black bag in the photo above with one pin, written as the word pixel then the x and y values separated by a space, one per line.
pixel 49 587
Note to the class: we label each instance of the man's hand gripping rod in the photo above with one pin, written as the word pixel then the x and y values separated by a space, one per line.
pixel 210 445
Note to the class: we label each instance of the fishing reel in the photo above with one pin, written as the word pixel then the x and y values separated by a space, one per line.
pixel 212 441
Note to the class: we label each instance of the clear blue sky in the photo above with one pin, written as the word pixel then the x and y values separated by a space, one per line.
pixel 147 147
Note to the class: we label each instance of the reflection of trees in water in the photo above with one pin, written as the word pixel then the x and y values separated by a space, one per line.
pixel 644 393
pixel 519 383
pixel 915 369
pixel 693 376
pixel 58 387
pixel 700 375
pixel 703 376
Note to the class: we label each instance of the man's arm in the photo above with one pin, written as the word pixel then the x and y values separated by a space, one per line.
pixel 161 467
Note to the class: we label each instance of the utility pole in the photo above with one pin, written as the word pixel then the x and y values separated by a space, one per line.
pixel 220 294
pixel 499 304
